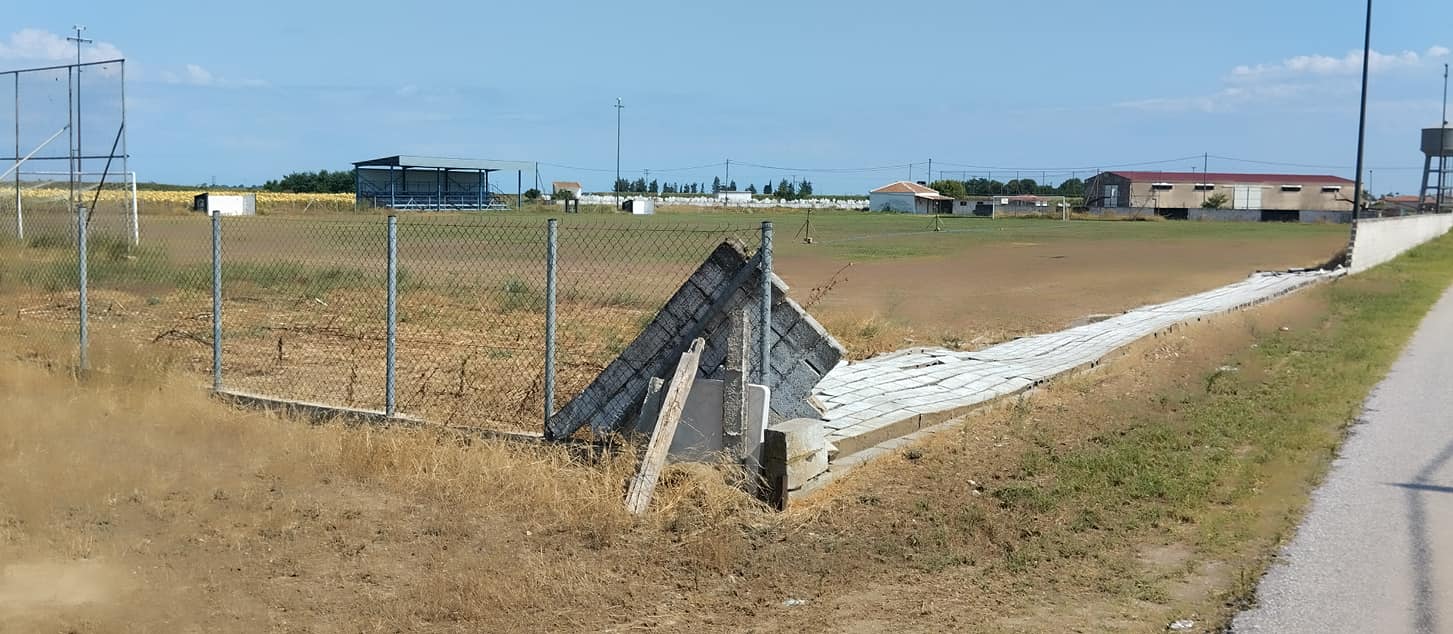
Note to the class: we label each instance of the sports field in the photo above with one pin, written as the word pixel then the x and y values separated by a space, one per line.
pixel 304 302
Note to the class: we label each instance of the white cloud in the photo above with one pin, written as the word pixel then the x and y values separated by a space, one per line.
pixel 196 75
pixel 1349 64
pixel 38 45
pixel 1303 77
pixel 35 47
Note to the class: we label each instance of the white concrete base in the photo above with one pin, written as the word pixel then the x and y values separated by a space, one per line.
pixel 699 434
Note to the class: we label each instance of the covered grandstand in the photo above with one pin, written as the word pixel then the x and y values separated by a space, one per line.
pixel 429 183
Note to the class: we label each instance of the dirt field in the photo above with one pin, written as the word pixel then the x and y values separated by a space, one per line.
pixel 995 292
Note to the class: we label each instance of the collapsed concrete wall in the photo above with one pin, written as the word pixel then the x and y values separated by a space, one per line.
pixel 1377 240
pixel 727 283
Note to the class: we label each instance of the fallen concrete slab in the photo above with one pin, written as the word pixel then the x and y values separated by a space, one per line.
pixel 871 402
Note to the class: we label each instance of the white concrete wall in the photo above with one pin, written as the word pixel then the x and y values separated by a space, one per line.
pixel 1381 239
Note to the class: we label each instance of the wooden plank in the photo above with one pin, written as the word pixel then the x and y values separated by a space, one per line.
pixel 638 498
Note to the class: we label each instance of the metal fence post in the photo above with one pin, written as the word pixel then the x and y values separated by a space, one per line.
pixel 552 247
pixel 764 326
pixel 390 407
pixel 85 333
pixel 216 302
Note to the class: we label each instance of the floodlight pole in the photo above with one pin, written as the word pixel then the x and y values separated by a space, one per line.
pixel 617 186
pixel 79 166
pixel 1362 118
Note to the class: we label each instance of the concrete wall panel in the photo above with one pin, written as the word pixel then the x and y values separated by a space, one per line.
pixel 1378 240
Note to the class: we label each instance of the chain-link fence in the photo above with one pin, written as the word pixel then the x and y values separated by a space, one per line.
pixel 305 310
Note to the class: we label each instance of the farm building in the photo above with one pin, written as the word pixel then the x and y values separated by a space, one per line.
pixel 435 183
pixel 914 198
pixel 558 187
pixel 1246 196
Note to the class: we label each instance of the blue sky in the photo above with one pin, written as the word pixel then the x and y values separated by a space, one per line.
pixel 244 92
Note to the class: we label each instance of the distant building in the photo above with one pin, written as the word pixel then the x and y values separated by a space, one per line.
pixel 1184 194
pixel 906 197
pixel 1399 205
pixel 567 186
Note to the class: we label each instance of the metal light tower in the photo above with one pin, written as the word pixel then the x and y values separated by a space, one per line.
pixel 78 166
pixel 617 187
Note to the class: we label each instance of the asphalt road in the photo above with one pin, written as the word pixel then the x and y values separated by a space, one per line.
pixel 1375 551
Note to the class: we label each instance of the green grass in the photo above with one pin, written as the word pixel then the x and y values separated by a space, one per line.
pixel 1202 459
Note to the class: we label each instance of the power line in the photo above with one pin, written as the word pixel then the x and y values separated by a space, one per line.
pixel 1090 168
pixel 1304 165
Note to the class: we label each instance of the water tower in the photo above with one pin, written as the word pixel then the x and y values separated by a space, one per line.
pixel 1437 144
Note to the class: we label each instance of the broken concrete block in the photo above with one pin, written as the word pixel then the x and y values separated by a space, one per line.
pixel 727 281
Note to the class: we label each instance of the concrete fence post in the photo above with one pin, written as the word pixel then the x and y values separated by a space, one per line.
pixel 216 302
pixel 764 324
pixel 390 406
pixel 552 247
pixel 81 283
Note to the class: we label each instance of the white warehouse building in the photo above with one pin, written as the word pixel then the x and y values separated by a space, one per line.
pixel 906 197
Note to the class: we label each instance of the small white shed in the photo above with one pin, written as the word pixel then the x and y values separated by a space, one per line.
pixel 639 206
pixel 225 204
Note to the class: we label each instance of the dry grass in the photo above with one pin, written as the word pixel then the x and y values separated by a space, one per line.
pixel 104 479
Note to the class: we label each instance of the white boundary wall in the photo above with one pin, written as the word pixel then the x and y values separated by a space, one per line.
pixel 1378 240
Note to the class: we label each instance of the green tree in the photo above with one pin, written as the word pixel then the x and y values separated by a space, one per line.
pixel 715 184
pixel 786 190
pixel 1073 188
pixel 952 189
pixel 534 194
pixel 767 189
pixel 1021 186
pixel 751 189
pixel 654 187
pixel 1217 200
pixel 732 186
pixel 804 189
pixel 319 182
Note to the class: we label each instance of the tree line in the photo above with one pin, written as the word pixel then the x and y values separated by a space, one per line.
pixel 1072 188
pixel 785 189
pixel 319 182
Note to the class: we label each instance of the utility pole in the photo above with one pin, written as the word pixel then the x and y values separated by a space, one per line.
pixel 76 166
pixel 1362 117
pixel 930 170
pixel 728 171
pixel 617 187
